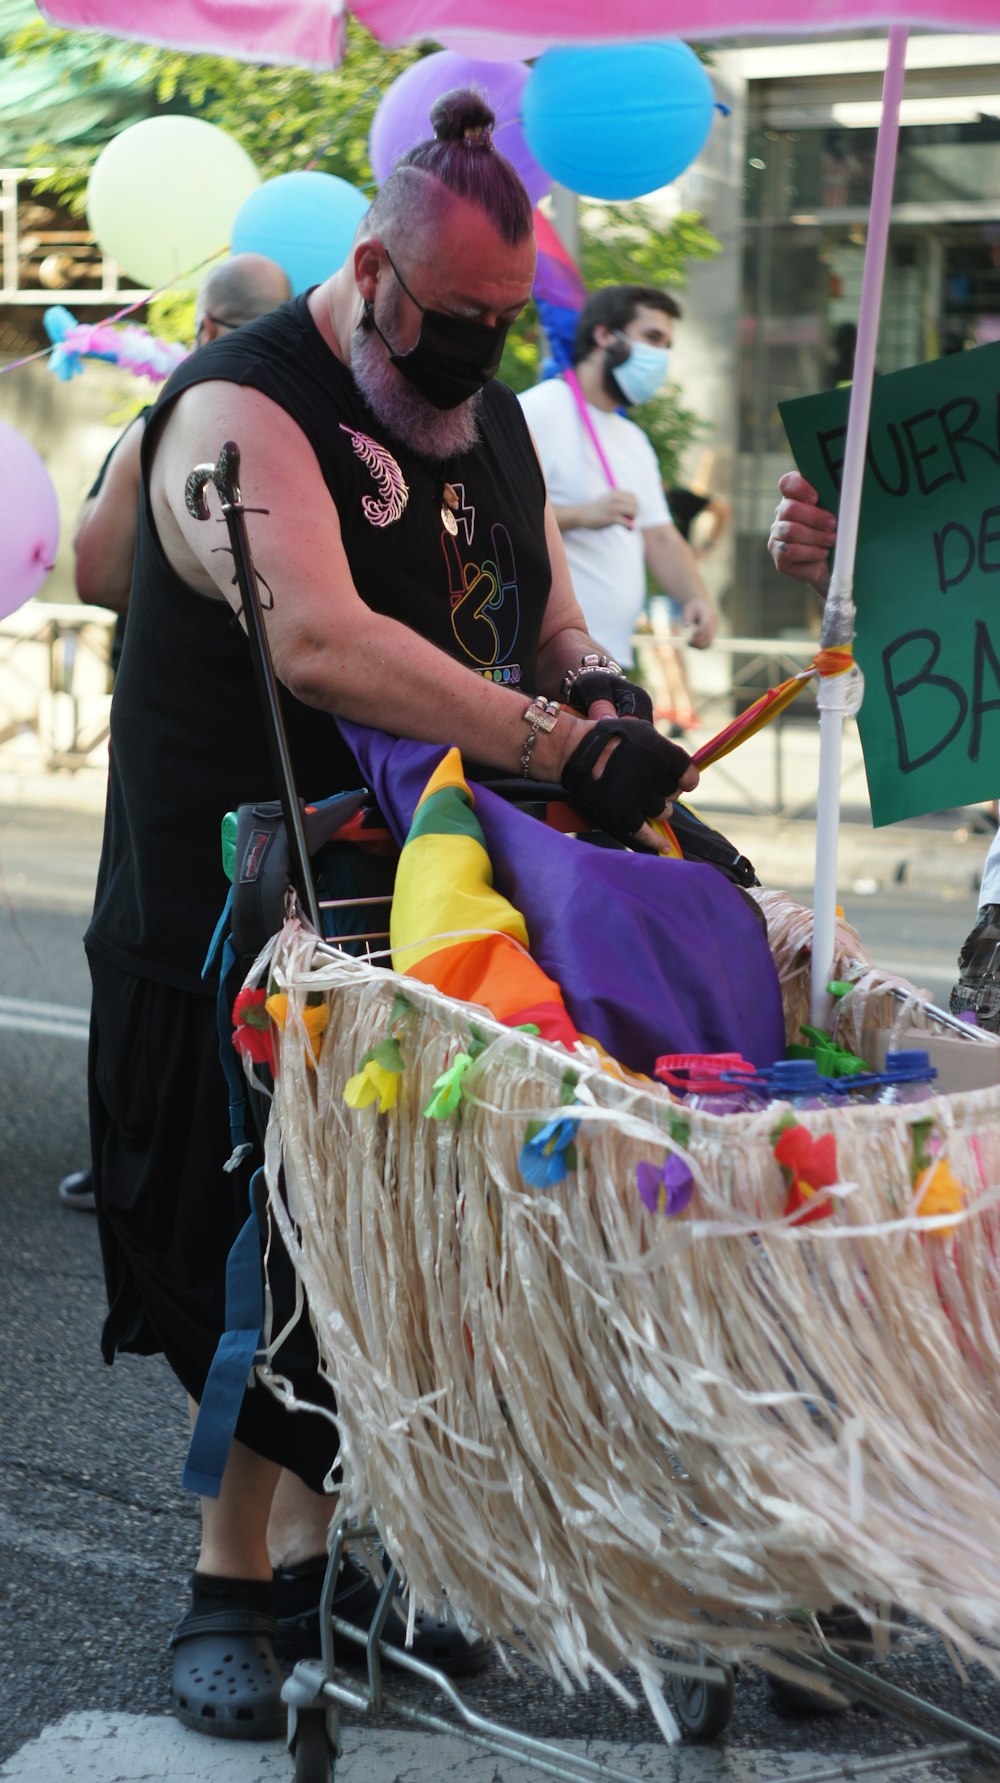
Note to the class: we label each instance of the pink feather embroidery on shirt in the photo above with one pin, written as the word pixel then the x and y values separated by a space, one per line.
pixel 393 494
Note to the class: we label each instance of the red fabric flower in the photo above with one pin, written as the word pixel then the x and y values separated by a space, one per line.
pixel 252 1034
pixel 811 1165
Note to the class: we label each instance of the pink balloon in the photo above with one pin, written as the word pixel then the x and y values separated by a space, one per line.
pixel 404 114
pixel 29 532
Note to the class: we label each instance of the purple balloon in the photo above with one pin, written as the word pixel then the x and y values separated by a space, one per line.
pixel 30 531
pixel 404 114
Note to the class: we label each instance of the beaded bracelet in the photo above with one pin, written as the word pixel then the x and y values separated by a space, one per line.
pixel 541 715
pixel 606 664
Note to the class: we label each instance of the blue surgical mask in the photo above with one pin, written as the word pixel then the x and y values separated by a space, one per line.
pixel 643 373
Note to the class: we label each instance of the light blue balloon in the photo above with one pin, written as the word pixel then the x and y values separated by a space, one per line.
pixel 304 221
pixel 618 120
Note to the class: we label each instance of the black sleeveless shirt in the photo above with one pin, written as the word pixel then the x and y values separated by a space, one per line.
pixel 187 734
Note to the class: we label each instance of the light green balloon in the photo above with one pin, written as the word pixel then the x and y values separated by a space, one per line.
pixel 163 195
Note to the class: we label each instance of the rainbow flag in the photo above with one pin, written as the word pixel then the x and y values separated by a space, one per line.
pixel 449 925
pixel 645 955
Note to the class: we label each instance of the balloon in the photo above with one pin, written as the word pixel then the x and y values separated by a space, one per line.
pixel 30 531
pixel 304 221
pixel 620 120
pixel 403 117
pixel 163 195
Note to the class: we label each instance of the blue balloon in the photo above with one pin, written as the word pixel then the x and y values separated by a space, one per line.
pixel 304 221
pixel 619 120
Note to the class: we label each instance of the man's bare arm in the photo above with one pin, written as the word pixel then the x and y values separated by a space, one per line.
pixel 672 564
pixel 104 538
pixel 564 638
pixel 616 507
pixel 329 648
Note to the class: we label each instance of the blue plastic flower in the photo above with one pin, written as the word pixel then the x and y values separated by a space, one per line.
pixel 547 1155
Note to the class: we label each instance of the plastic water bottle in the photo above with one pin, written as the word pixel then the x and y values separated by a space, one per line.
pixel 698 1078
pixel 911 1076
pixel 797 1081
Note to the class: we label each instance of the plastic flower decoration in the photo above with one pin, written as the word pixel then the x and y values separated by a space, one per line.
pixel 447 1092
pixel 810 1167
pixel 548 1153
pixel 252 1034
pixel 377 1078
pixel 939 1191
pixel 315 1019
pixel 667 1187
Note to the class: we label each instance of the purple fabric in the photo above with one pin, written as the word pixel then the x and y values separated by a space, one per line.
pixel 652 956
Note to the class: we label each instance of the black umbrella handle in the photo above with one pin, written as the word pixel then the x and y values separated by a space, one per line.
pixel 225 476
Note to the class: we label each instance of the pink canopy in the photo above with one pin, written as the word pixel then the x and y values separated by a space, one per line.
pixel 310 32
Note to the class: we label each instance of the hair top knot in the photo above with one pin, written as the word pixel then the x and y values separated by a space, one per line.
pixel 463 158
pixel 464 115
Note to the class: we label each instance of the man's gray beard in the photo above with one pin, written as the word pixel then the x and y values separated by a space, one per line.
pixel 431 432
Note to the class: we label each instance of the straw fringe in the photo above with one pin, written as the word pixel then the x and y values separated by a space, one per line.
pixel 597 1428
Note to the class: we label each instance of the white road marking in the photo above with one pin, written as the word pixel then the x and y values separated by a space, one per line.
pixel 91 1747
pixel 23 1015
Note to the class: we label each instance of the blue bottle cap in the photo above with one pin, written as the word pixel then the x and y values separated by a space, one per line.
pixel 909 1064
pixel 795 1074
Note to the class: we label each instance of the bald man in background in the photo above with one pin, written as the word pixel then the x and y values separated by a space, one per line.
pixel 233 293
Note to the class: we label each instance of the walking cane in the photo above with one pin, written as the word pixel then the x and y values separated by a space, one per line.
pixel 225 476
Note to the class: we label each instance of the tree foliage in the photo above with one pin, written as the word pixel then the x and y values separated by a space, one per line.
pixel 289 119
pixel 286 118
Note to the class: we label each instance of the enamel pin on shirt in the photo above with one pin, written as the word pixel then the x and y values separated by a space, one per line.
pixel 449 502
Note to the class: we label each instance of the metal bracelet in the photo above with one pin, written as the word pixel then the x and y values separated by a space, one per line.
pixel 541 715
pixel 605 665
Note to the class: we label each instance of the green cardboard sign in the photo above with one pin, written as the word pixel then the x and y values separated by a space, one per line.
pixel 927 579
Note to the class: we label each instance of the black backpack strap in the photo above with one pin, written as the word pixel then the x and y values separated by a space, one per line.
pixel 262 867
pixel 699 842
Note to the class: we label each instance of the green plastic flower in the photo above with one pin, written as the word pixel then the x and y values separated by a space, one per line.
pixel 448 1088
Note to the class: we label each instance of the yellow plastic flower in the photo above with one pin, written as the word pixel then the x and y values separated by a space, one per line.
pixel 373 1080
pixel 315 1018
pixel 939 1191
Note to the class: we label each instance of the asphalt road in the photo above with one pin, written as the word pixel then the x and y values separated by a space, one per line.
pixel 96 1536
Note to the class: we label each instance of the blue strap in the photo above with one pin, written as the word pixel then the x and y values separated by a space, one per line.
pixel 232 1064
pixel 221 951
pixel 221 929
pixel 233 1360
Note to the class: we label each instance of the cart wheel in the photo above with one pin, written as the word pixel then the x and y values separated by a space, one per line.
pixel 703 1708
pixel 315 1758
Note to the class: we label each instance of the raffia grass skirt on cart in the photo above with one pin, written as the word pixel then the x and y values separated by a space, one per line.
pixel 599 1427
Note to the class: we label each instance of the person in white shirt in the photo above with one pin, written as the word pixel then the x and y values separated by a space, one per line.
pixel 603 479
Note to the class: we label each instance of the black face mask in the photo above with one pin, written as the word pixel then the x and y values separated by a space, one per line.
pixel 452 358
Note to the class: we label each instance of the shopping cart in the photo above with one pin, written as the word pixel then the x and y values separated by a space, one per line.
pixel 601 1431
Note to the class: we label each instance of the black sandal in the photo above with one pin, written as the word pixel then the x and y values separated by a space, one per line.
pixel 437 1640
pixel 226 1678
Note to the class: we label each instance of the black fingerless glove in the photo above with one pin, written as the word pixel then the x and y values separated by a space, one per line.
pixel 629 701
pixel 640 775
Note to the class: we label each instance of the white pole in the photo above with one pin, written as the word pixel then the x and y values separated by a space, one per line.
pixel 839 695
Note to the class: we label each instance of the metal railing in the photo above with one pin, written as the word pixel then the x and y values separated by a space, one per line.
pixel 55 686
pixel 55 696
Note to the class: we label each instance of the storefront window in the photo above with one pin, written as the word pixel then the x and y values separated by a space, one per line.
pixel 806 201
